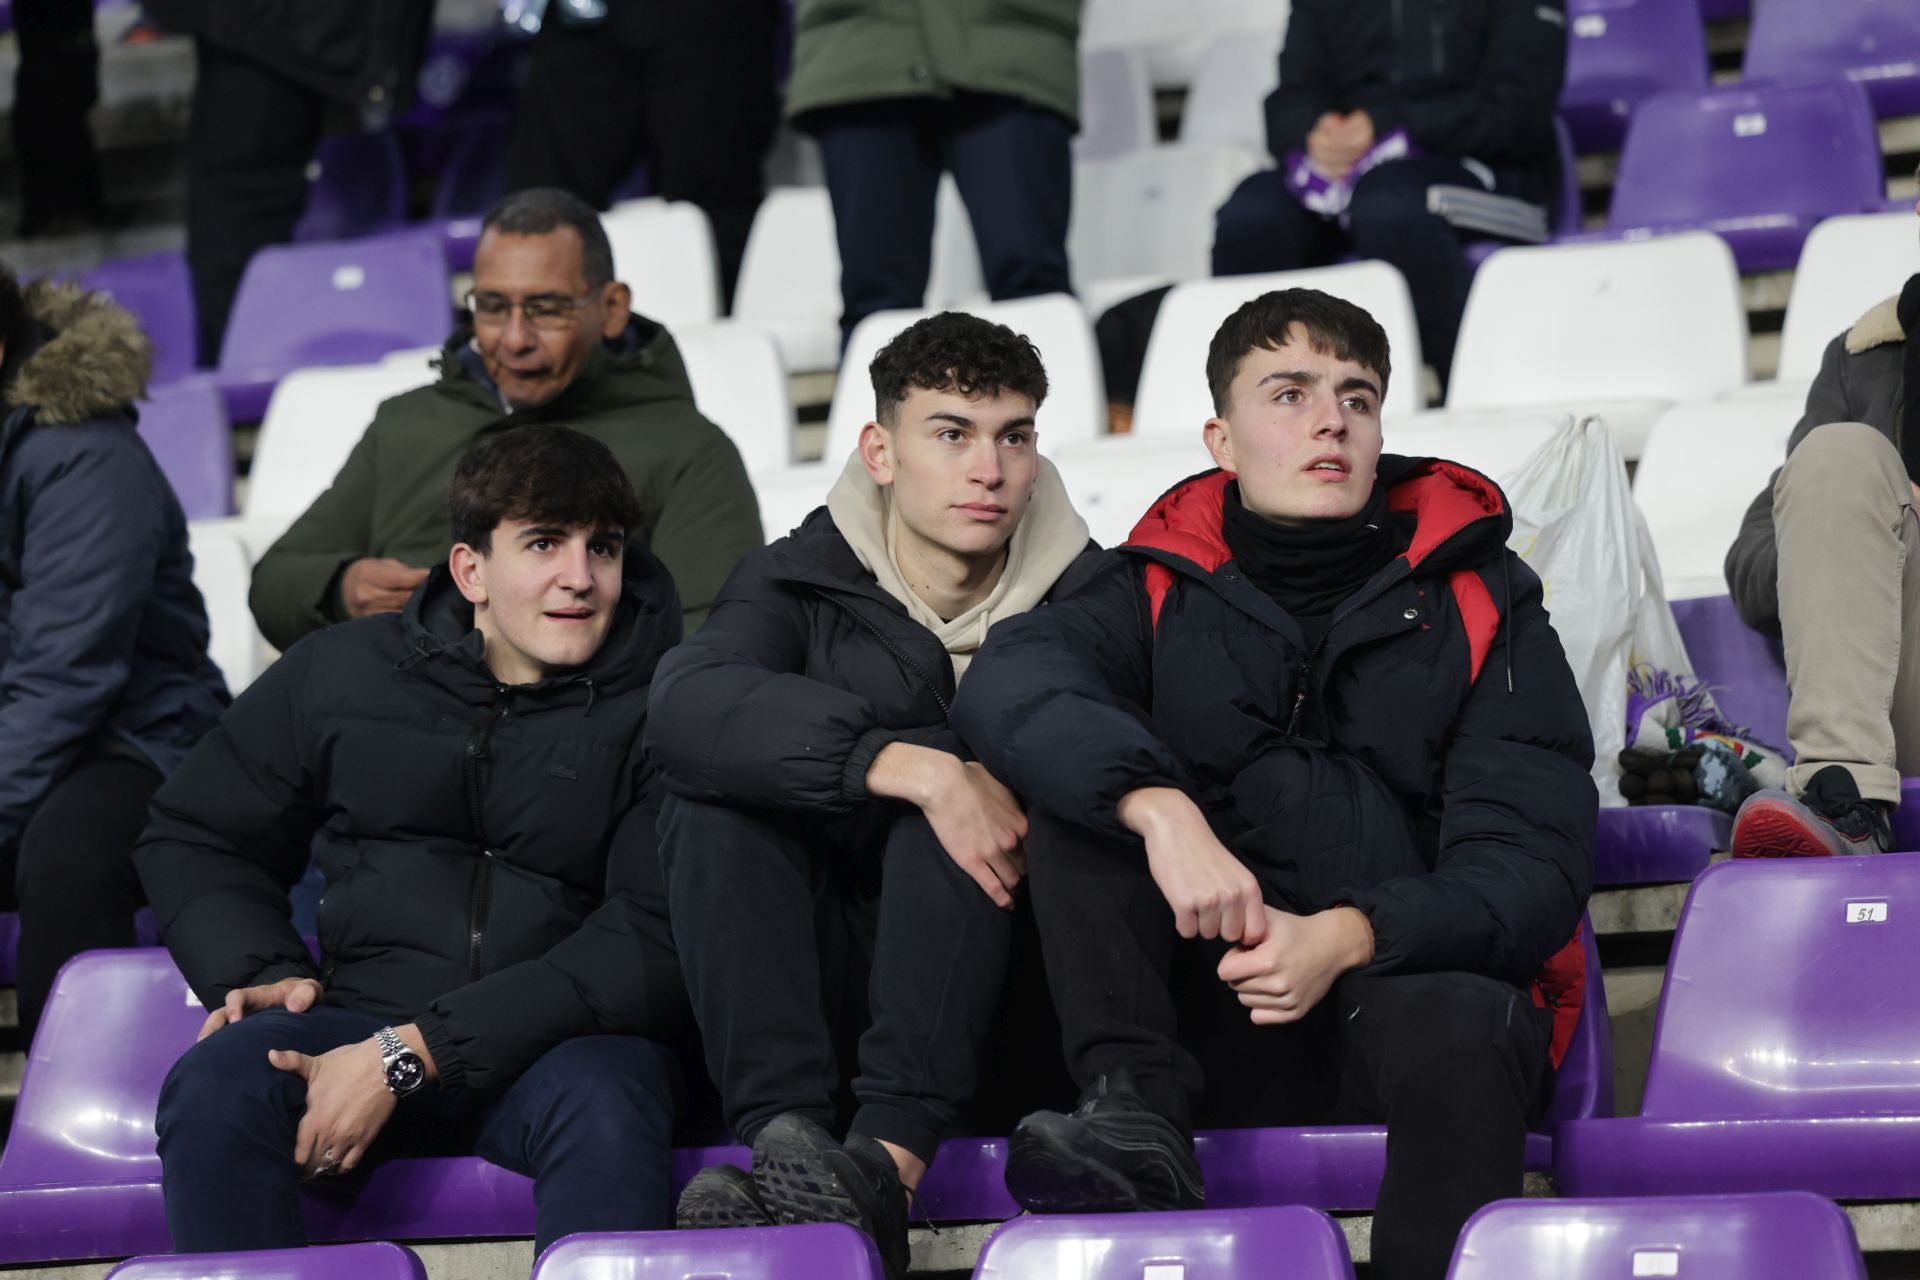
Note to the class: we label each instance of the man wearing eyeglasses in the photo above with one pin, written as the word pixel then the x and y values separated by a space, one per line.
pixel 551 337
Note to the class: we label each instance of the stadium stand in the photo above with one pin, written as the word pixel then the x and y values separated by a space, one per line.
pixel 1227 102
pixel 156 288
pixel 1149 215
pixel 1762 1237
pixel 1205 1245
pixel 812 1251
pixel 741 385
pixel 1619 53
pixel 357 186
pixel 185 426
pixel 1116 104
pixel 223 573
pixel 373 1261
pixel 1849 264
pixel 663 251
pixel 1872 43
pixel 790 277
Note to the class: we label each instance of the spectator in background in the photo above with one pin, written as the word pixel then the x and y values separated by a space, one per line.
pixel 105 683
pixel 55 85
pixel 825 827
pixel 1829 559
pixel 1401 125
pixel 551 338
pixel 898 91
pixel 270 74
pixel 468 777
pixel 688 86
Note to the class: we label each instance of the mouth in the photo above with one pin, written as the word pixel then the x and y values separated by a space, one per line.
pixel 982 511
pixel 1330 467
pixel 570 615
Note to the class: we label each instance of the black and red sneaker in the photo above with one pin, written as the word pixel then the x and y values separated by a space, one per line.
pixel 1830 819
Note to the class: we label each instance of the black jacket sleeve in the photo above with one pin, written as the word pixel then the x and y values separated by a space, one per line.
pixel 1753 561
pixel 617 974
pixel 1054 703
pixel 1503 112
pixel 1518 812
pixel 230 834
pixel 733 720
pixel 1306 91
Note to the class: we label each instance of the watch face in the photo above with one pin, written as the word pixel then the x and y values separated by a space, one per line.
pixel 405 1073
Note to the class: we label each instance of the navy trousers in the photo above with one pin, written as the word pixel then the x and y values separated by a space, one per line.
pixel 591 1122
pixel 1012 163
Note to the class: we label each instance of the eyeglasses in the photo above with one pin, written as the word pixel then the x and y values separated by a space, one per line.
pixel 542 310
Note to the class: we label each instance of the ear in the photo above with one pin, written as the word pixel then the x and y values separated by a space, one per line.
pixel 876 452
pixel 467 567
pixel 1219 441
pixel 619 303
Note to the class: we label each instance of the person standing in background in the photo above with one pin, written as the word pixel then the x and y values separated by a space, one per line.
pixel 56 84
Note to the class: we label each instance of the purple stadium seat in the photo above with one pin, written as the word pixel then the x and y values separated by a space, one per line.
pixel 373 1261
pixel 815 1251
pixel 1872 42
pixel 1744 669
pixel 1621 51
pixel 185 425
pixel 1725 10
pixel 325 304
pixel 473 177
pixel 1211 1244
pixel 1781 1236
pixel 145 934
pixel 1786 1053
pixel 1564 217
pixel 1757 164
pixel 358 187
pixel 157 289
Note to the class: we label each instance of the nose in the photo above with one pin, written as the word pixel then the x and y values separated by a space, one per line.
pixel 518 334
pixel 987 470
pixel 576 574
pixel 1331 423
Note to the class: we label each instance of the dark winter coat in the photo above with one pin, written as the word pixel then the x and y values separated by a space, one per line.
pixel 488 849
pixel 1425 762
pixel 1465 78
pixel 805 669
pixel 1862 379
pixel 362 55
pixel 103 636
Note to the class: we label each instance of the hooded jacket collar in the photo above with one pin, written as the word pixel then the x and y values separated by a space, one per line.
pixel 443 642
pixel 84 359
pixel 1878 327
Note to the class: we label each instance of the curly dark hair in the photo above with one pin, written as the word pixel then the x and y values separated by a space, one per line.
pixel 544 473
pixel 1333 326
pixel 956 352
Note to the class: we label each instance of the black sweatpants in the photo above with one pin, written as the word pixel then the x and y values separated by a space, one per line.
pixel 808 945
pixel 1455 1064
pixel 1013 164
pixel 56 84
pixel 701 114
pixel 74 882
pixel 251 138
pixel 1262 227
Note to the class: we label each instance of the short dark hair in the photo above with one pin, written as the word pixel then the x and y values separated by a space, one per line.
pixel 956 352
pixel 540 211
pixel 1333 326
pixel 544 473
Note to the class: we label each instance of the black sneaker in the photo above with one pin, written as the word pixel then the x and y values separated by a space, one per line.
pixel 1827 820
pixel 805 1176
pixel 1112 1155
pixel 721 1196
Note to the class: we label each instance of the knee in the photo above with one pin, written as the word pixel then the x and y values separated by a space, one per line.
pixel 1838 457
pixel 621 1086
pixel 1456 1032
pixel 1387 205
pixel 1250 229
pixel 223 1080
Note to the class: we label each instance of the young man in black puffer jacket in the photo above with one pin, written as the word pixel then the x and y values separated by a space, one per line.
pixel 497 971
pixel 824 820
pixel 1314 715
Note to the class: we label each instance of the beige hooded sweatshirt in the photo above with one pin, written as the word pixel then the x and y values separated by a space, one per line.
pixel 1050 536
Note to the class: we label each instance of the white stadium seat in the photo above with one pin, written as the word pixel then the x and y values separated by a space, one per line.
pixel 1150 213
pixel 1849 263
pixel 1228 101
pixel 663 251
pixel 1173 397
pixel 1112 482
pixel 790 277
pixel 1116 104
pixel 1622 330
pixel 740 384
pixel 223 572
pixel 1175 36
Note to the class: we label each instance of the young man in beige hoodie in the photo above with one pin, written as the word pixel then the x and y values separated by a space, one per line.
pixel 825 822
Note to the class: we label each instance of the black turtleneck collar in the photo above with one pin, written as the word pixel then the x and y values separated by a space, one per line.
pixel 1308 567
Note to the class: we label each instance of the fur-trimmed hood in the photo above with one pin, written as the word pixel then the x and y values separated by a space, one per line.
pixel 94 360
pixel 1879 326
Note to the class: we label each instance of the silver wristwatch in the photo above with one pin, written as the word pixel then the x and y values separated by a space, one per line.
pixel 401 1067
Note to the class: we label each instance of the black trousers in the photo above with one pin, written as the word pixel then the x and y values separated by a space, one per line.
pixel 591 1122
pixel 57 83
pixel 1455 1064
pixel 808 946
pixel 1012 163
pixel 73 879
pixel 701 114
pixel 1262 227
pixel 251 138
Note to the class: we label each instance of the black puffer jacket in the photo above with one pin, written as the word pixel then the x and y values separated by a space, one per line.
pixel 1436 730
pixel 804 670
pixel 488 850
pixel 1464 78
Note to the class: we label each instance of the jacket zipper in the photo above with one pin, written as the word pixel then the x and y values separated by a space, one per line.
pixel 906 659
pixel 483 879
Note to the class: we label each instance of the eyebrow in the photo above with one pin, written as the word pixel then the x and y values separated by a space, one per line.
pixel 1302 375
pixel 562 531
pixel 961 420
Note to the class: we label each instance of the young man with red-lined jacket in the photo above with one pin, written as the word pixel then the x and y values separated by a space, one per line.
pixel 1313 717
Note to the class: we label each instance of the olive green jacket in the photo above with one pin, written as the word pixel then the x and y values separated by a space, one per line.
pixel 847 51
pixel 389 500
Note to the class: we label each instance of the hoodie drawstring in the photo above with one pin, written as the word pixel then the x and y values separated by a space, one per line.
pixel 1506 592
